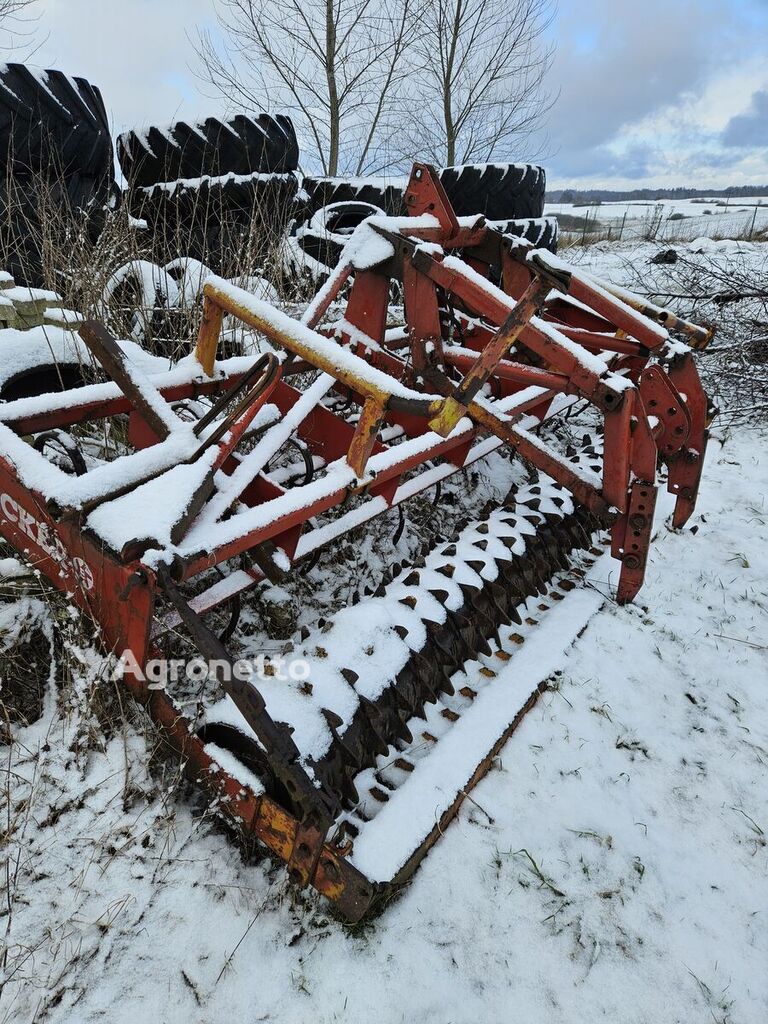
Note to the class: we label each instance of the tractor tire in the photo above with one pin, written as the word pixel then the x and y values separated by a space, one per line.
pixel 40 221
pixel 314 248
pixel 374 191
pixel 56 166
pixel 264 144
pixel 217 220
pixel 53 125
pixel 541 232
pixel 498 191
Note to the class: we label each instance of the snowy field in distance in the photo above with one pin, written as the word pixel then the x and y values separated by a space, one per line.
pixel 724 218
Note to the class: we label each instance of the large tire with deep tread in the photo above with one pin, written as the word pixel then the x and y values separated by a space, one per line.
pixel 265 144
pixel 56 165
pixel 498 191
pixel 541 232
pixel 216 220
pixel 386 196
pixel 53 124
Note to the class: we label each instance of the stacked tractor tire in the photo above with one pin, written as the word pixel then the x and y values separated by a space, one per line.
pixel 511 196
pixel 213 190
pixel 222 192
pixel 56 163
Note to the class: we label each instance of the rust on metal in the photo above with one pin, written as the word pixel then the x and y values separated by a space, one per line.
pixel 493 344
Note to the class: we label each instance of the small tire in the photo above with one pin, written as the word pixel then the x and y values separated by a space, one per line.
pixel 137 299
pixel 265 144
pixel 314 248
pixel 498 191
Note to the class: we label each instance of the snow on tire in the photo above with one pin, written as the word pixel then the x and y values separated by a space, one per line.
pixel 264 144
pixel 215 219
pixel 55 162
pixel 314 248
pixel 499 191
pixel 138 295
pixel 541 232
pixel 53 124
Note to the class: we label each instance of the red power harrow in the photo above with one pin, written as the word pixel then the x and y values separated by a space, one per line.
pixel 497 339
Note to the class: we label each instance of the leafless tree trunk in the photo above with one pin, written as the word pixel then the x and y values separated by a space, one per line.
pixel 336 65
pixel 479 90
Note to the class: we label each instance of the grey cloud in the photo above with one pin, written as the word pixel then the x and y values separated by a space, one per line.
pixel 639 59
pixel 750 129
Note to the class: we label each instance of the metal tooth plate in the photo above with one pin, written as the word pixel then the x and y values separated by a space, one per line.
pixel 542 552
pixel 387 712
pixel 428 733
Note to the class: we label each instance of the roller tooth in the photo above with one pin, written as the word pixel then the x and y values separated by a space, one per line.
pixel 333 720
pixel 375 720
pixel 381 728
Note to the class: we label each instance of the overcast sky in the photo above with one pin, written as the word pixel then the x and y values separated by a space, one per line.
pixel 657 92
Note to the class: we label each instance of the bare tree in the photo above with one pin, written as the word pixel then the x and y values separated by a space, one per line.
pixel 17 22
pixel 335 64
pixel 479 89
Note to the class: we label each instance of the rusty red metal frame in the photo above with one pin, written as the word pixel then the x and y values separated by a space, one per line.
pixel 483 313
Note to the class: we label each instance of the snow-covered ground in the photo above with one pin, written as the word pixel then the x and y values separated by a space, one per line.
pixel 671 219
pixel 613 866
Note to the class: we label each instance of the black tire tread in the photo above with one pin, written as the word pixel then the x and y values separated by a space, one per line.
pixel 498 191
pixel 542 232
pixel 242 145
pixel 56 129
pixel 326 191
pixel 210 219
